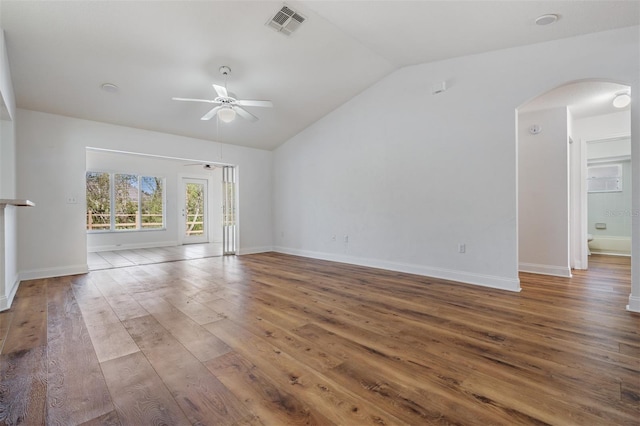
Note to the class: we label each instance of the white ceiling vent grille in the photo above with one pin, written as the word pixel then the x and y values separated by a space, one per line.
pixel 286 20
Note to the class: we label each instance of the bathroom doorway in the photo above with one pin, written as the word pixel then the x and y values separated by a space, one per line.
pixel 553 130
pixel 609 209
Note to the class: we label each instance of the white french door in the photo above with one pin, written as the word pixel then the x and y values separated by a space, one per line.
pixel 229 221
pixel 194 211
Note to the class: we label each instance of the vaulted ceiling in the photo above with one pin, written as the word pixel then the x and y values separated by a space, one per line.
pixel 62 52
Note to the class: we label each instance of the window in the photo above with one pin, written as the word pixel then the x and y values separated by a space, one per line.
pixel 151 202
pixel 606 178
pixel 126 196
pixel 98 201
pixel 120 202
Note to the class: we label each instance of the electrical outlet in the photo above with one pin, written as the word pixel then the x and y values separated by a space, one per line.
pixel 462 248
pixel 72 200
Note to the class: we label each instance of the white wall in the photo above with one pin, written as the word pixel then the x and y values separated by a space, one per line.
pixel 8 218
pixel 608 149
pixel 6 85
pixel 215 189
pixel 409 175
pixel 51 159
pixel 7 160
pixel 543 192
pixel 7 125
pixel 603 126
pixel 578 251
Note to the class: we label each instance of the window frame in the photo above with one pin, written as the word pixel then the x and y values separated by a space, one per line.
pixel 112 203
pixel 618 177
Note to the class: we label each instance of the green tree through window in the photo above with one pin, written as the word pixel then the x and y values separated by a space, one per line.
pixel 124 202
pixel 151 201
pixel 98 201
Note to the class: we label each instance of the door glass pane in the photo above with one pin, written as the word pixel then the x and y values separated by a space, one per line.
pixel 126 201
pixel 195 209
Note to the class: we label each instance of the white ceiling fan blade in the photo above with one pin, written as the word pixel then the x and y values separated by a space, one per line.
pixel 221 91
pixel 208 101
pixel 247 102
pixel 245 114
pixel 211 113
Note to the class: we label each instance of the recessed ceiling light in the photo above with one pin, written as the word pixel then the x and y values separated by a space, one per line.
pixel 546 19
pixel 621 100
pixel 109 87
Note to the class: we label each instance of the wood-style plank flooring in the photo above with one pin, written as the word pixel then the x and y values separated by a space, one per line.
pixel 271 339
pixel 123 258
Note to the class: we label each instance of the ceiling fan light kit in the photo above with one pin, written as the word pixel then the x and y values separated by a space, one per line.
pixel 226 115
pixel 205 166
pixel 227 107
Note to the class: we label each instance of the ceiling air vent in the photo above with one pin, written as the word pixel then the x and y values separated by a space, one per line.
pixel 286 20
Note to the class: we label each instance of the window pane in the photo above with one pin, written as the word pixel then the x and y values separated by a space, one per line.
pixel 126 201
pixel 151 202
pixel 604 178
pixel 98 202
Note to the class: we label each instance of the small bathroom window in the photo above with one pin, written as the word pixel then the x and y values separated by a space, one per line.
pixel 603 178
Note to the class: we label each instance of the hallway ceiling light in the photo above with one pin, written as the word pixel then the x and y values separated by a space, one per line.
pixel 227 115
pixel 546 19
pixel 621 100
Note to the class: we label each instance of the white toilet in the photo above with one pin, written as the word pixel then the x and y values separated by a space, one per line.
pixel 589 239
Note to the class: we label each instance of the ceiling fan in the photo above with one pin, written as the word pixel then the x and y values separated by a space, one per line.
pixel 205 166
pixel 227 106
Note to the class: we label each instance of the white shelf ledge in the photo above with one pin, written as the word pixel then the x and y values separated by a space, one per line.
pixel 16 202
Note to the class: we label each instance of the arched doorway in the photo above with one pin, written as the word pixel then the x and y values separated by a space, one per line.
pixel 555 130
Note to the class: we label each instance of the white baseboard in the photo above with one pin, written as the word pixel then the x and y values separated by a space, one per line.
pixel 60 271
pixel 578 265
pixel 606 253
pixel 253 250
pixel 556 271
pixel 96 249
pixel 634 304
pixel 6 300
pixel 501 283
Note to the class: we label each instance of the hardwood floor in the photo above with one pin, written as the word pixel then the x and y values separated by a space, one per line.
pixel 271 339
